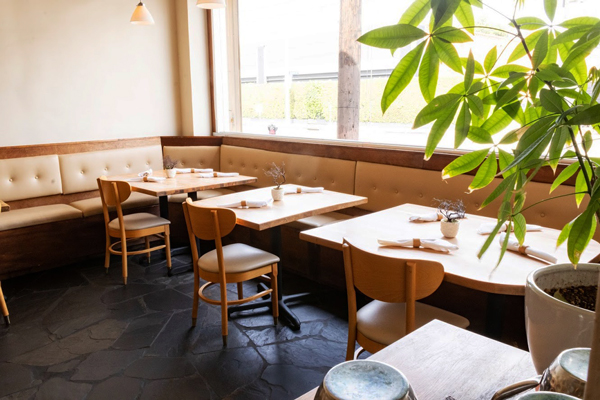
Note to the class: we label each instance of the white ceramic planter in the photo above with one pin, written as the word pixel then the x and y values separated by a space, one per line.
pixel 553 325
pixel 171 173
pixel 449 229
pixel 277 194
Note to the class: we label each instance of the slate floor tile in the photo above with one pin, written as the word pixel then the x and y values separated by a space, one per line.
pixel 285 376
pixel 121 388
pixel 177 389
pixel 131 291
pixel 14 378
pixel 141 332
pixel 62 388
pixel 313 353
pixel 24 395
pixel 160 368
pixel 101 365
pixel 168 300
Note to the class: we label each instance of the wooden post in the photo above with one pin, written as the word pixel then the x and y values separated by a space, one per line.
pixel 349 70
pixel 592 388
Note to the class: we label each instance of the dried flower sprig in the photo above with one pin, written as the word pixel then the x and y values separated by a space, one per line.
pixel 169 163
pixel 277 173
pixel 451 210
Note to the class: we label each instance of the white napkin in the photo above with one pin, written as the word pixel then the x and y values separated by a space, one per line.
pixel 294 190
pixel 429 217
pixel 487 228
pixel 147 172
pixel 434 244
pixel 217 174
pixel 146 179
pixel 513 245
pixel 248 204
pixel 193 170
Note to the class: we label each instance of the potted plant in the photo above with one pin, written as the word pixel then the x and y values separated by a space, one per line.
pixel 542 86
pixel 170 165
pixel 453 212
pixel 277 173
pixel 272 129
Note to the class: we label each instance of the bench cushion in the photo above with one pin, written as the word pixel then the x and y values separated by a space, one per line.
pixel 330 173
pixel 93 206
pixel 389 186
pixel 201 195
pixel 37 215
pixel 195 156
pixel 317 221
pixel 28 177
pixel 79 171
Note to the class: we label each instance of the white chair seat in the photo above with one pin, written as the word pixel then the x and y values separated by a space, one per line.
pixel 237 258
pixel 385 322
pixel 134 222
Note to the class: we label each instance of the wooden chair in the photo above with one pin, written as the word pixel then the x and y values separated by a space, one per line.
pixel 132 226
pixel 233 263
pixel 395 284
pixel 4 307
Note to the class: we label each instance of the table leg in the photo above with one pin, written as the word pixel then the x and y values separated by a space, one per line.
pixel 163 202
pixel 494 319
pixel 284 310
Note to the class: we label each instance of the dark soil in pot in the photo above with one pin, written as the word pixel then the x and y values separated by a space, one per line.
pixel 580 296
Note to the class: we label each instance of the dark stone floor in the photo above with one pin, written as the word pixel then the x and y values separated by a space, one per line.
pixel 78 333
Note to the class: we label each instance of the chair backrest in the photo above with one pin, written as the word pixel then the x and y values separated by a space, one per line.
pixel 384 278
pixel 112 194
pixel 203 220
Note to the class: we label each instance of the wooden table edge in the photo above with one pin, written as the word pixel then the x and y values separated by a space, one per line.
pixel 209 187
pixel 282 221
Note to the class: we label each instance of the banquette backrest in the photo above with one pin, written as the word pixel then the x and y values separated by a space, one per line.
pixel 79 171
pixel 330 173
pixel 388 186
pixel 195 156
pixel 29 177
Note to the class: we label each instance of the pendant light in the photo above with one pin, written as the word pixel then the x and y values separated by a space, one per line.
pixel 211 4
pixel 141 15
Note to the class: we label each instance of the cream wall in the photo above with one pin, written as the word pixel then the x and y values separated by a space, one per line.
pixel 73 70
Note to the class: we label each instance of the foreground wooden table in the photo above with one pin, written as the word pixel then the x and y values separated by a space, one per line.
pixel 182 183
pixel 4 207
pixel 442 361
pixel 292 208
pixel 462 266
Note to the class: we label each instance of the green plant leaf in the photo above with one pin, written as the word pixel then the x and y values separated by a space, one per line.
pixel 520 227
pixel 564 233
pixel 507 184
pixel 490 59
pixel 541 50
pixel 497 122
pixel 571 34
pixel 556 146
pixel 589 116
pixel 505 70
pixel 443 10
pixel 465 163
pixel 510 138
pixel 530 23
pixel 510 95
pixel 485 174
pixel 464 15
pixel 504 160
pixel 480 135
pixel 462 125
pixel 530 41
pixel 469 71
pixel 566 173
pixel 551 101
pixel 550 7
pixel 448 54
pixel 416 12
pixel 438 129
pixel 392 37
pixel 581 185
pixel 401 76
pixel 570 23
pixel 452 34
pixel 476 105
pixel 435 109
pixel 428 73
pixel 491 238
pixel 581 233
pixel 532 143
pixel 587 141
pixel 579 53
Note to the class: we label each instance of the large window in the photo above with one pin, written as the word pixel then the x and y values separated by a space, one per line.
pixel 288 67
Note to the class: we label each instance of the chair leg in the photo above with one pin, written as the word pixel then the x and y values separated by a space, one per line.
pixel 124 259
pixel 4 307
pixel 240 287
pixel 274 295
pixel 196 297
pixel 224 327
pixel 351 342
pixel 147 240
pixel 107 254
pixel 168 251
